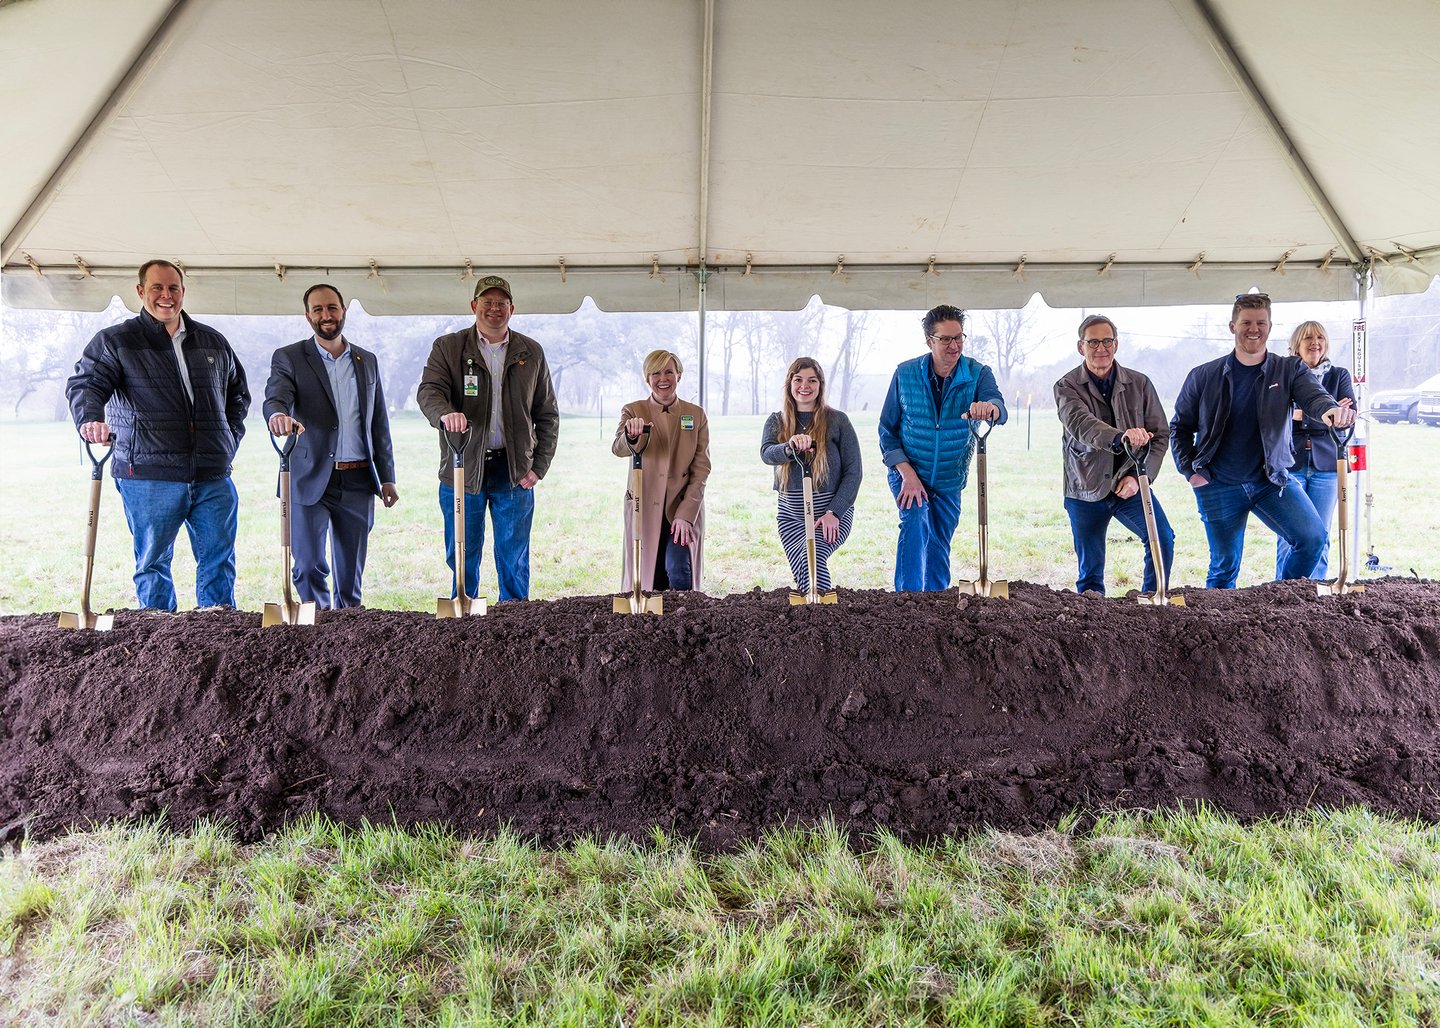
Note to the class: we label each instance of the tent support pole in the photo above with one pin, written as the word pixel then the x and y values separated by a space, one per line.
pixel 1364 285
pixel 702 275
pixel 119 96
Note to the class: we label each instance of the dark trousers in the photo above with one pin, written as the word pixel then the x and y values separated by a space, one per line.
pixel 1089 520
pixel 344 514
pixel 672 562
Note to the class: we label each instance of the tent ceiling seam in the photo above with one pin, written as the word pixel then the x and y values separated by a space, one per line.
pixel 1238 70
pixel 118 96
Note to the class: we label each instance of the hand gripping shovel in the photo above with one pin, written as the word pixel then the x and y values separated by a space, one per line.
pixel 810 595
pixel 1162 573
pixel 983 586
pixel 635 601
pixel 87 618
pixel 461 604
pixel 1342 484
pixel 289 611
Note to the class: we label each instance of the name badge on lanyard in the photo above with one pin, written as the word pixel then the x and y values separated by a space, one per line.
pixel 472 385
pixel 687 423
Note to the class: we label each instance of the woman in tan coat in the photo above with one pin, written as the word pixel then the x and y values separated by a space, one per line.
pixel 675 462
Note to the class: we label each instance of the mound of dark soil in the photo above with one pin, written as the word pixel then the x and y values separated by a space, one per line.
pixel 726 716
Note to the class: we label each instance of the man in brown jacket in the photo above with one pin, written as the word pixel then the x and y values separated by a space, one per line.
pixel 1100 404
pixel 496 384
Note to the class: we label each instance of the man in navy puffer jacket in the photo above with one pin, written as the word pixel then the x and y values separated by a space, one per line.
pixel 1231 440
pixel 926 443
pixel 171 394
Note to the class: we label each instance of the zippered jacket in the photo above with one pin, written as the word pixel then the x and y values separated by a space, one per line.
pixel 1314 446
pixel 1089 460
pixel 129 378
pixel 1202 410
pixel 529 413
pixel 937 444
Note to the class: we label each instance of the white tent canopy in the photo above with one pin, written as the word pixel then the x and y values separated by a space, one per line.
pixel 1117 152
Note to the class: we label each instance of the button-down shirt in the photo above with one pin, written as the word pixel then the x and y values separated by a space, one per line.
pixel 494 354
pixel 178 340
pixel 345 388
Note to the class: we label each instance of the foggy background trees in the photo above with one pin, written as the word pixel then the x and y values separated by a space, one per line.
pixel 595 356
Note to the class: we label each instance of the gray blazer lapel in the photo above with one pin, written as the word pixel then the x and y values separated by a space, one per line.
pixel 317 367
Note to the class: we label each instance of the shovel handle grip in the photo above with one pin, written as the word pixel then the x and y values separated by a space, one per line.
pixel 1138 456
pixel 1342 436
pixel 457 451
pixel 97 465
pixel 290 439
pixel 644 431
pixel 981 434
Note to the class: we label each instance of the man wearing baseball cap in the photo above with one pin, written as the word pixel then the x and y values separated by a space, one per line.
pixel 494 382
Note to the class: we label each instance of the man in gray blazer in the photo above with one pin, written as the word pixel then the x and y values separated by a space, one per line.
pixel 330 390
pixel 1102 404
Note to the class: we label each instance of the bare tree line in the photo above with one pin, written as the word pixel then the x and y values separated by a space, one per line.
pixel 595 356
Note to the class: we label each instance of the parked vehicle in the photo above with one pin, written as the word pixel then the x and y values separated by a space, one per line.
pixel 1428 409
pixel 1395 405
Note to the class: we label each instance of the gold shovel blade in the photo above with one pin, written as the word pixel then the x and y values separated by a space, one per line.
pixel 1161 599
pixel 288 614
pixel 995 590
pixel 1336 589
pixel 459 607
pixel 632 604
pixel 801 599
pixel 93 622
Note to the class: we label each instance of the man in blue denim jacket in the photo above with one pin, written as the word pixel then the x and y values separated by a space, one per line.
pixel 1231 439
pixel 926 443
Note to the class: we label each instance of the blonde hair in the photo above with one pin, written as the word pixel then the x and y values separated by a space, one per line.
pixel 1302 330
pixel 657 359
pixel 790 421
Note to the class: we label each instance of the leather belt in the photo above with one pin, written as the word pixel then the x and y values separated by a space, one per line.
pixel 351 465
pixel 495 454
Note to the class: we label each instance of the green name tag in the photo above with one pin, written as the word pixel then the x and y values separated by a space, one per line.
pixel 687 423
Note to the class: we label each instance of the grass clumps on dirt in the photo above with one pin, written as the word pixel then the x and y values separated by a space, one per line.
pixel 1321 918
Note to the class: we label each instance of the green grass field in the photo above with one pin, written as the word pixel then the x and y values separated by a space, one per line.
pixel 575 547
pixel 1142 919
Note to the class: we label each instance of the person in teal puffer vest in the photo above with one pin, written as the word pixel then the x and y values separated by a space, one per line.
pixel 926 443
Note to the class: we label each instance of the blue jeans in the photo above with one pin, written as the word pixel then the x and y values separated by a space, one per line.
pixel 1287 512
pixel 1089 520
pixel 210 513
pixel 672 563
pixel 922 553
pixel 1323 488
pixel 511 511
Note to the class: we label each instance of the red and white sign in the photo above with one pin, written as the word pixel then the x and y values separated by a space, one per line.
pixel 1359 344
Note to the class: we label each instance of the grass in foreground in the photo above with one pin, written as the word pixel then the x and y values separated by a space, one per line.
pixel 1322 918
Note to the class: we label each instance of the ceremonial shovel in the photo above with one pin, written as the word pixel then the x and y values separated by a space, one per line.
pixel 635 601
pixel 88 618
pixel 461 604
pixel 811 594
pixel 290 611
pixel 1342 484
pixel 983 586
pixel 1162 573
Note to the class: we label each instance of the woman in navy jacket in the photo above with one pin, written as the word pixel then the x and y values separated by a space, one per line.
pixel 1315 452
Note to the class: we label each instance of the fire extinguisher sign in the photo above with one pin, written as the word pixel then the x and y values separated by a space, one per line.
pixel 1358 348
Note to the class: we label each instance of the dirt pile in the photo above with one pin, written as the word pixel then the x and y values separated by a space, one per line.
pixel 729 715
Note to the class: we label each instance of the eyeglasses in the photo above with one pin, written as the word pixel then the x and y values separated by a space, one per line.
pixel 948 340
pixel 1095 344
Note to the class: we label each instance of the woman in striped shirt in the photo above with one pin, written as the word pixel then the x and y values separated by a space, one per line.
pixel 804 425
